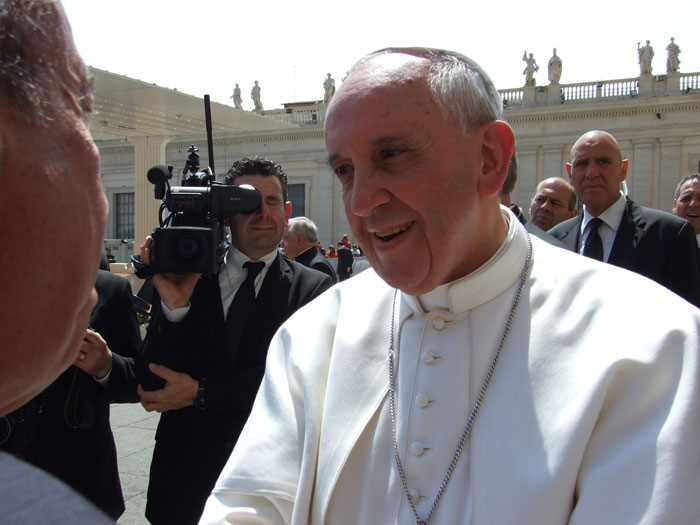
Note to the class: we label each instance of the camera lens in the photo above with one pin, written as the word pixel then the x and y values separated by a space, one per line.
pixel 187 248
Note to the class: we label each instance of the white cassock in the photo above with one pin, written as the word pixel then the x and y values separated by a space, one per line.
pixel 592 415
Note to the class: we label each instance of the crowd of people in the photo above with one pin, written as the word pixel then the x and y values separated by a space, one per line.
pixel 486 354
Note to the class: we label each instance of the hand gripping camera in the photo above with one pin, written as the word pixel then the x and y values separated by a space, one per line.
pixel 192 238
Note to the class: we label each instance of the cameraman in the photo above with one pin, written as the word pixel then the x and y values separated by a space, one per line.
pixel 210 369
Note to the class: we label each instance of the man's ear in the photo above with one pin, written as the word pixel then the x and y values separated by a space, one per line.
pixel 568 170
pixel 497 147
pixel 623 168
pixel 287 210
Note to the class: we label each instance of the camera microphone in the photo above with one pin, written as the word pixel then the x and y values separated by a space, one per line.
pixel 158 176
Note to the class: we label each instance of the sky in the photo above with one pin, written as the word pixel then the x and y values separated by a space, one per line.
pixel 207 46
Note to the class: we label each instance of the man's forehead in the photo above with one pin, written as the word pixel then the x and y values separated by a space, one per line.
pixel 550 189
pixel 389 67
pixel 394 73
pixel 597 144
pixel 260 182
pixel 691 185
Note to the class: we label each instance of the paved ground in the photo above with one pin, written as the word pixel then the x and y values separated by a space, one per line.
pixel 134 431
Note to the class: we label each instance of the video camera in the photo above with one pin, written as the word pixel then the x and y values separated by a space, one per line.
pixel 192 238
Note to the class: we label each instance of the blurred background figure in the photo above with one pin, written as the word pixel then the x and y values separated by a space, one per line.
pixel 300 241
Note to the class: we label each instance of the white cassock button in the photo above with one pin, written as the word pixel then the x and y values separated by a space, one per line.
pixel 414 495
pixel 417 449
pixel 429 358
pixel 422 401
pixel 438 324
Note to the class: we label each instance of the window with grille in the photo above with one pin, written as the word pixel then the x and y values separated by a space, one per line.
pixel 124 215
pixel 297 196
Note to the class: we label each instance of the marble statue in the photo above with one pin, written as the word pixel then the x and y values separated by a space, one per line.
pixel 531 68
pixel 255 95
pixel 554 68
pixel 673 62
pixel 328 89
pixel 237 100
pixel 645 53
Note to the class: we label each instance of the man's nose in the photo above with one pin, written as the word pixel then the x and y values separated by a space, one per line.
pixel 264 209
pixel 367 192
pixel 591 170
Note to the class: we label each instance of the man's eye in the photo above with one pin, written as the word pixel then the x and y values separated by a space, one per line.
pixel 343 170
pixel 389 153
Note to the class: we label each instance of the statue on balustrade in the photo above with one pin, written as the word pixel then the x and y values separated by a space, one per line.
pixel 645 53
pixel 531 68
pixel 255 95
pixel 237 100
pixel 328 89
pixel 673 62
pixel 554 68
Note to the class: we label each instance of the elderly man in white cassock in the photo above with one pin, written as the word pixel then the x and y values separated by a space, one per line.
pixel 477 375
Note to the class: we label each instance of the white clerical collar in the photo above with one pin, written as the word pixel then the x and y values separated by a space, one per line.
pixel 488 281
pixel 612 216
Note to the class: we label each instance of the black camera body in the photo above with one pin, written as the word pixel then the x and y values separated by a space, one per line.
pixel 192 239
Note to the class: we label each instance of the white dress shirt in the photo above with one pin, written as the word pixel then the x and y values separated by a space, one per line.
pixel 608 229
pixel 231 276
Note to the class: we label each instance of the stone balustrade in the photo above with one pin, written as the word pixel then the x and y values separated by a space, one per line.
pixel 660 85
pixel 311 113
pixel 552 94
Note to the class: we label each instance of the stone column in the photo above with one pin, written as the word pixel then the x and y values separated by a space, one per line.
pixel 552 161
pixel 669 172
pixel 148 151
pixel 639 172
pixel 527 178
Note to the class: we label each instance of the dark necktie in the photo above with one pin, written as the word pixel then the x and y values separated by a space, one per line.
pixel 594 246
pixel 242 303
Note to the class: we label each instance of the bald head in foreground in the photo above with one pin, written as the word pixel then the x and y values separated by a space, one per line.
pixel 52 221
pixel 614 229
pixel 472 361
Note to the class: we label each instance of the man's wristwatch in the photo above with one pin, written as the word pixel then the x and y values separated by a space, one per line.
pixel 199 400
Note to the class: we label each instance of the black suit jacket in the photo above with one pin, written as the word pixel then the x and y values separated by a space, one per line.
pixel 86 458
pixel 650 242
pixel 345 261
pixel 193 445
pixel 312 258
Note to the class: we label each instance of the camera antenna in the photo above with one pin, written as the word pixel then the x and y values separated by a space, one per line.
pixel 210 145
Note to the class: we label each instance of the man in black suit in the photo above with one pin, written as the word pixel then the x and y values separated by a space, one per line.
pixel 345 261
pixel 650 242
pixel 299 243
pixel 209 370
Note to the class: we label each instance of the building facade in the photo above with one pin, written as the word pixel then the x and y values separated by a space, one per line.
pixel 656 119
